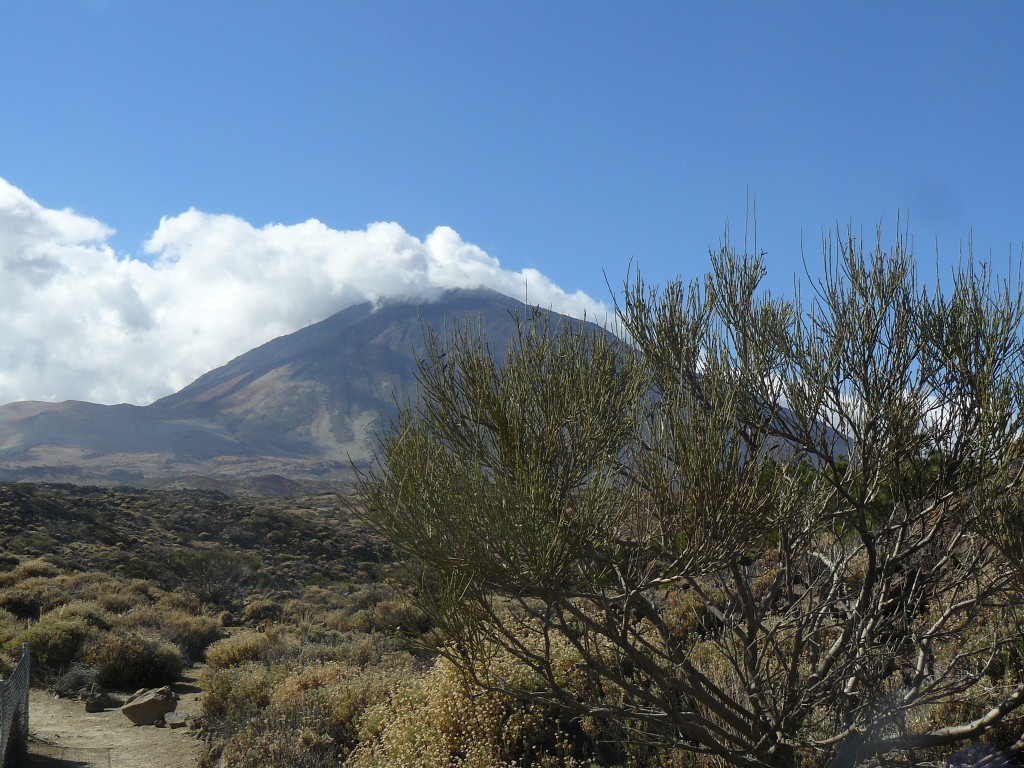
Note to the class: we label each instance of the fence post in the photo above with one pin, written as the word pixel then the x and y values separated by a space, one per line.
pixel 26 659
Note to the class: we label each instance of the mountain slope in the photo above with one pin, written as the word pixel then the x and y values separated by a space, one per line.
pixel 301 406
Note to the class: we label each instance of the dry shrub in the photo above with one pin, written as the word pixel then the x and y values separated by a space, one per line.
pixel 245 647
pixel 307 719
pixel 28 569
pixel 44 589
pixel 354 648
pixel 250 646
pixel 119 602
pixel 128 660
pixel 310 678
pixel 89 610
pixel 262 610
pixel 56 641
pixel 181 601
pixel 75 680
pixel 30 598
pixel 282 747
pixel 392 615
pixel 437 719
pixel 391 713
pixel 367 650
pixel 234 696
pixel 192 634
pixel 10 626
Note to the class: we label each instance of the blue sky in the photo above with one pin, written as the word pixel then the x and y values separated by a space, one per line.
pixel 564 137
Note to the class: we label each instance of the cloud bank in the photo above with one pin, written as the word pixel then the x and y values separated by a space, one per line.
pixel 80 322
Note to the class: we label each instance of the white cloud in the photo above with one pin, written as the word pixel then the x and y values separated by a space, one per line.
pixel 78 321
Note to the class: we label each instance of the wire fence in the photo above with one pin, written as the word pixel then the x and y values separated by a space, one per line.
pixel 43 755
pixel 14 708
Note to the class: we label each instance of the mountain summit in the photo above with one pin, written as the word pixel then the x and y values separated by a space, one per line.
pixel 291 413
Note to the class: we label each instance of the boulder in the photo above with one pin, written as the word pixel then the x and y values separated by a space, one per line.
pixel 99 701
pixel 149 706
pixel 175 720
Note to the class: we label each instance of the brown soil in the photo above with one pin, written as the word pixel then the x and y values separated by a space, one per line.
pixel 65 723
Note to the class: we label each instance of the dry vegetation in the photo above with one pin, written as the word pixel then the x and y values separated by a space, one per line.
pixel 313 658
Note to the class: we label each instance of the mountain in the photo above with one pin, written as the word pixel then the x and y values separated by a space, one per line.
pixel 286 416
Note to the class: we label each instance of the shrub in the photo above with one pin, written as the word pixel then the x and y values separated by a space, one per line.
pixel 31 597
pixel 28 569
pixel 283 745
pixel 90 611
pixel 10 626
pixel 303 720
pixel 128 660
pixel 74 681
pixel 392 615
pixel 45 589
pixel 218 577
pixel 837 478
pixel 121 601
pixel 437 719
pixel 192 634
pixel 268 647
pixel 234 696
pixel 312 677
pixel 57 641
pixel 262 610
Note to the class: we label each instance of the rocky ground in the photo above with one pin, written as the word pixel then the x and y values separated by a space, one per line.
pixel 64 723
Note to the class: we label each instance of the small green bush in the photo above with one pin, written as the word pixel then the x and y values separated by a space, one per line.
pixel 120 602
pixel 28 569
pixel 92 612
pixel 217 577
pixel 56 641
pixel 127 660
pixel 191 633
pixel 10 627
pixel 262 610
pixel 30 598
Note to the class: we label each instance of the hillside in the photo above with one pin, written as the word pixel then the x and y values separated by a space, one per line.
pixel 136 533
pixel 286 417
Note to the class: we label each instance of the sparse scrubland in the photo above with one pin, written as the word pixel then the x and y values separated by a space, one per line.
pixel 763 534
pixel 312 658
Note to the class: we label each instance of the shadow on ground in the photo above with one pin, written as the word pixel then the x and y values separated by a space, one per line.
pixel 42 754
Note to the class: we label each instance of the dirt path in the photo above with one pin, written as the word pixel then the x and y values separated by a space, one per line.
pixel 64 723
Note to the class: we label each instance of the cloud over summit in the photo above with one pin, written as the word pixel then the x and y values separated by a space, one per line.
pixel 78 321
